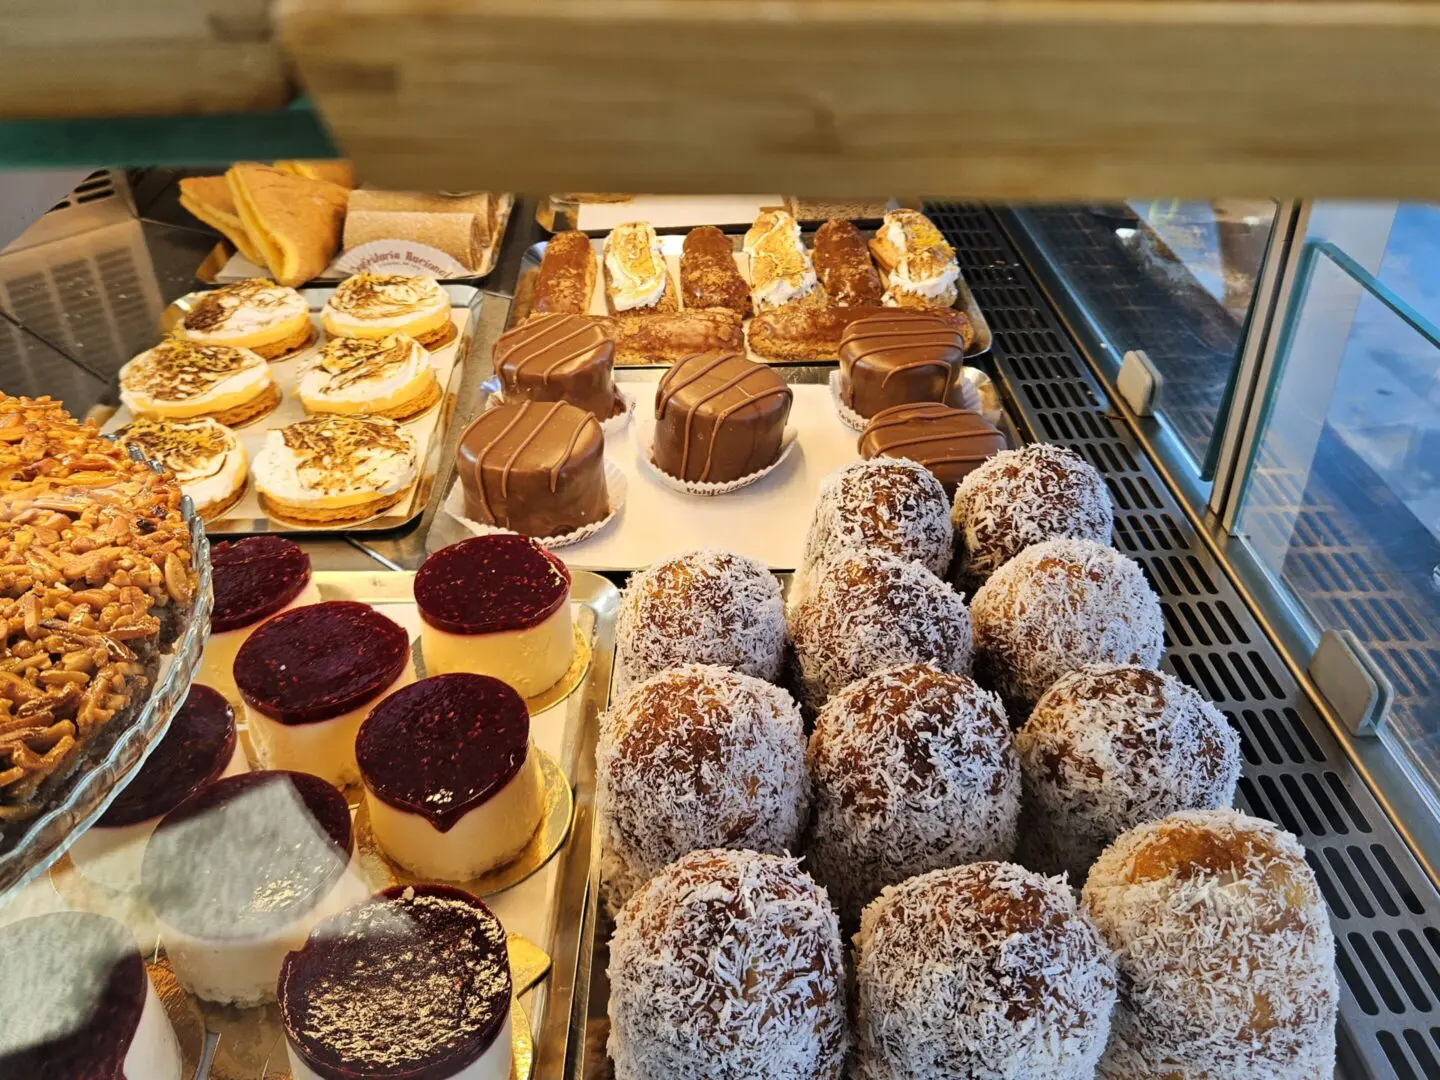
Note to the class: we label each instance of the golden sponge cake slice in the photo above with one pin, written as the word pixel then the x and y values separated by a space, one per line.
pixel 209 199
pixel 294 221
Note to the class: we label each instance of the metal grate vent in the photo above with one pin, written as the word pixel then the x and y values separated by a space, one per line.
pixel 1385 911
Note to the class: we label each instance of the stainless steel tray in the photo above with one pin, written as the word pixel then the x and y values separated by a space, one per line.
pixel 246 517
pixel 671 244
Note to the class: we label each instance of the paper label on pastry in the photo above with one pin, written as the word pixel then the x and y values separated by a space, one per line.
pixel 397 257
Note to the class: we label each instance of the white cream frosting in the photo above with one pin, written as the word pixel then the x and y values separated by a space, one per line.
pixel 316 384
pixel 206 491
pixel 282 473
pixel 428 301
pixel 634 282
pixel 252 309
pixel 925 274
pixel 774 236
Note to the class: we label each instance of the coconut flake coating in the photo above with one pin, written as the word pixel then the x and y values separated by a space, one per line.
pixel 891 505
pixel 727 964
pixel 696 757
pixel 1225 951
pixel 914 769
pixel 1110 747
pixel 865 611
pixel 1027 496
pixel 1056 607
pixel 703 606
pixel 980 972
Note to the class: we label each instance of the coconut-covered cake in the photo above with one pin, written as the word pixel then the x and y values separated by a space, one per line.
pixel 1110 747
pixel 696 757
pixel 1226 957
pixel 727 964
pixel 980 971
pixel 913 769
pixel 701 607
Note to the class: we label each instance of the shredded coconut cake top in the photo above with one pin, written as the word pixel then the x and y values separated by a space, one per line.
pixel 1225 950
pixel 727 964
pixel 980 972
pixel 696 757
pixel 890 505
pixel 914 769
pixel 703 606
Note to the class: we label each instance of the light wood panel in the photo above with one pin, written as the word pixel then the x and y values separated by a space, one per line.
pixel 1010 98
pixel 97 58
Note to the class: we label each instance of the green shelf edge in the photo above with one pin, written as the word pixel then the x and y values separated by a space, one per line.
pixel 125 141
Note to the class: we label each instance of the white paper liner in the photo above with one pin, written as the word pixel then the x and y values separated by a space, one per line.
pixel 615 491
pixel 644 442
pixel 848 416
pixel 611 427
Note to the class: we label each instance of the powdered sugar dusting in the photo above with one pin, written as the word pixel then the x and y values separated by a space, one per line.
pixel 1056 607
pixel 892 505
pixel 1225 949
pixel 727 964
pixel 1022 497
pixel 980 972
pixel 696 757
pixel 865 611
pixel 703 606
pixel 1110 747
pixel 914 769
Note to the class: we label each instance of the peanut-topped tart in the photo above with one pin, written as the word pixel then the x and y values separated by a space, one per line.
pixel 256 314
pixel 389 376
pixel 183 380
pixel 205 457
pixel 96 579
pixel 367 305
pixel 335 471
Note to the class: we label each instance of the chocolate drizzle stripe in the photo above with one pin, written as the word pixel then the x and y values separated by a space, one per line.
pixel 950 459
pixel 509 465
pixel 485 451
pixel 542 346
pixel 668 389
pixel 725 415
pixel 569 449
pixel 913 365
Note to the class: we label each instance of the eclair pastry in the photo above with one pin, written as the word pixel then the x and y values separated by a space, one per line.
pixel 390 377
pixel 367 305
pixel 813 333
pixel 206 458
pixel 637 281
pixel 256 314
pixel 567 276
pixel 180 380
pixel 669 338
pixel 708 275
pixel 843 265
pixel 333 470
pixel 780 268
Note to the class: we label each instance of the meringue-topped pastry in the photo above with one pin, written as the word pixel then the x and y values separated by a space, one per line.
pixel 412 984
pixel 333 470
pixel 256 314
pixel 389 376
pixel 205 457
pixel 180 380
pixel 780 267
pixel 920 263
pixel 77 1004
pixel 636 277
pixel 367 305
pixel 904 232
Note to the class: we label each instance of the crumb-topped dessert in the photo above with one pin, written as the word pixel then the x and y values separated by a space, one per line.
pixel 206 458
pixel 238 874
pixel 181 380
pixel 310 676
pixel 367 305
pixel 389 376
pixel 256 314
pixel 452 781
pixel 96 579
pixel 496 605
pixel 77 1004
pixel 334 471
pixel 413 983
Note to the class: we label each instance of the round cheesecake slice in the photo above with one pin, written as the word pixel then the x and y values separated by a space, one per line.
pixel 412 984
pixel 76 1004
pixel 240 872
pixel 253 579
pixel 452 781
pixel 309 676
pixel 496 605
pixel 200 746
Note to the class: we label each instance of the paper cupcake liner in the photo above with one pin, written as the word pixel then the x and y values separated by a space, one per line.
pixel 645 437
pixel 611 427
pixel 615 489
pixel 848 416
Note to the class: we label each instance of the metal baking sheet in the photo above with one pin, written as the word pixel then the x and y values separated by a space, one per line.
pixel 247 518
pixel 672 245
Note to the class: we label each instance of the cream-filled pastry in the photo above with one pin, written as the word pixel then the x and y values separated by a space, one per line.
pixel 496 605
pixel 367 305
pixel 180 380
pixel 206 458
pixel 637 279
pixel 333 470
pixel 251 579
pixel 76 1002
pixel 390 376
pixel 921 265
pixel 240 872
pixel 307 679
pixel 413 983
pixel 256 314
pixel 780 268
pixel 452 782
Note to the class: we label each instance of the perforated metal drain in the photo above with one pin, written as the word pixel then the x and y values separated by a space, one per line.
pixel 1385 911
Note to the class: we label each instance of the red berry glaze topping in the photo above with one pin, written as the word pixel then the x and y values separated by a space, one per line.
pixel 488 584
pixel 254 578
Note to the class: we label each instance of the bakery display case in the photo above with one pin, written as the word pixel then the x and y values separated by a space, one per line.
pixel 623 665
